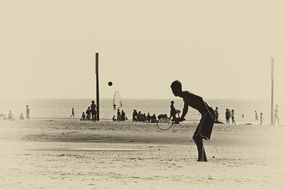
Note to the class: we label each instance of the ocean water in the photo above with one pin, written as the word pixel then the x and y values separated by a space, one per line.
pixel 61 108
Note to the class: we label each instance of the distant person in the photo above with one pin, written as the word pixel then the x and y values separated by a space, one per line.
pixel 233 117
pixel 114 118
pixel 204 128
pixel 148 118
pixel 72 113
pixel 139 116
pixel 216 115
pixel 88 113
pixel 93 111
pixel 22 116
pixel 118 115
pixel 261 118
pixel 83 116
pixel 228 115
pixel 135 115
pixel 276 116
pixel 173 112
pixel 256 116
pixel 153 119
pixel 123 115
pixel 143 117
pixel 10 115
pixel 27 112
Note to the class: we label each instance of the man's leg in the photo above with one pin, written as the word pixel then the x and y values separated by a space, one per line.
pixel 199 142
pixel 201 151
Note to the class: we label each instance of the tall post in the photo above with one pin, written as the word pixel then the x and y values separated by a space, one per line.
pixel 272 90
pixel 97 84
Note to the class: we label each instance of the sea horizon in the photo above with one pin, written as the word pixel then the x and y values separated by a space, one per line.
pixel 58 108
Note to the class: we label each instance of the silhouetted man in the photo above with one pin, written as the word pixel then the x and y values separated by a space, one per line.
pixel 204 129
pixel 228 115
pixel 72 113
pixel 256 116
pixel 172 111
pixel 118 115
pixel 93 111
pixel 123 116
pixel 27 112
pixel 135 115
pixel 233 117
pixel 216 115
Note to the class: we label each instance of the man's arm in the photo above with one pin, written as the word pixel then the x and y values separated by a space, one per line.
pixel 184 112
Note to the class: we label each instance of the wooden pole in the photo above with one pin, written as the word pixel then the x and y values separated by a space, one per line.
pixel 272 90
pixel 97 84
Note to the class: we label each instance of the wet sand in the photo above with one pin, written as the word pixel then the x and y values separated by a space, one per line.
pixel 70 154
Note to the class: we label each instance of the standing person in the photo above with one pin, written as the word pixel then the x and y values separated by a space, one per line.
pixel 172 111
pixel 216 115
pixel 123 116
pixel 276 116
pixel 204 128
pixel 261 118
pixel 256 116
pixel 27 112
pixel 93 111
pixel 228 115
pixel 118 115
pixel 233 117
pixel 72 113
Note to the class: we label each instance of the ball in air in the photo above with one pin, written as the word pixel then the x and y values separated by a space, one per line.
pixel 110 83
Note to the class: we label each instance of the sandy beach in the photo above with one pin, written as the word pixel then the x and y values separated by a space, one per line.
pixel 121 60
pixel 70 154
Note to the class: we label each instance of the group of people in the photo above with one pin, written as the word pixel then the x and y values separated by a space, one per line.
pixel 138 116
pixel 229 115
pixel 148 118
pixel 260 119
pixel 121 116
pixel 90 114
pixel 10 115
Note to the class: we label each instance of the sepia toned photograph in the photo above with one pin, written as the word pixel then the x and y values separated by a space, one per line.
pixel 139 95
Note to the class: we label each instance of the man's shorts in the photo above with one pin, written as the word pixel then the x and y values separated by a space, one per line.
pixel 205 126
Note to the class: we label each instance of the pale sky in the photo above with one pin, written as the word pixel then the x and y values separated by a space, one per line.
pixel 218 49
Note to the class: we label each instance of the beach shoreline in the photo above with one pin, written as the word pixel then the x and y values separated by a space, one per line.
pixel 72 154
